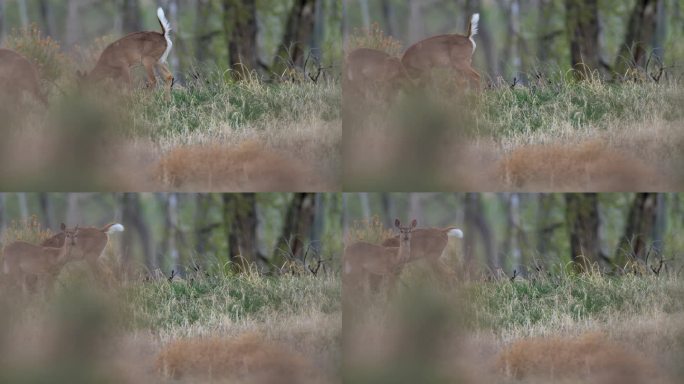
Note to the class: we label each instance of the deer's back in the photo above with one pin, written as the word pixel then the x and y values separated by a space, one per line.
pixel 16 70
pixel 425 243
pixel 437 51
pixel 23 257
pixel 132 48
pixel 91 242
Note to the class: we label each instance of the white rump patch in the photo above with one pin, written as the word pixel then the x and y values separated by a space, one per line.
pixel 455 233
pixel 115 228
pixel 474 29
pixel 167 34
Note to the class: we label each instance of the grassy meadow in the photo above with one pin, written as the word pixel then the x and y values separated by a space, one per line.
pixel 543 131
pixel 217 130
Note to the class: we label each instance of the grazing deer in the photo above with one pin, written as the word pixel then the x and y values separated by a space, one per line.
pixel 367 69
pixel 91 242
pixel 149 49
pixel 427 244
pixel 18 75
pixel 445 51
pixel 363 260
pixel 23 260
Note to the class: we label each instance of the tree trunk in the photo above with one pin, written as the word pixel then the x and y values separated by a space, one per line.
pixel 390 17
pixel 583 225
pixel 416 26
pixel 47 17
pixel 639 36
pixel 23 13
pixel 240 223
pixel 46 209
pixel 364 199
pixel 3 220
pixel 73 23
pixel 297 228
pixel 512 242
pixel 345 24
pixel 319 29
pixel 131 16
pixel 546 204
pixel 365 13
pixel 476 226
pixel 485 36
pixel 171 233
pixel 203 228
pixel 23 206
pixel 297 36
pixel 240 28
pixel 638 229
pixel 583 29
pixel 3 24
pixel 388 209
pixel 203 34
pixel 135 223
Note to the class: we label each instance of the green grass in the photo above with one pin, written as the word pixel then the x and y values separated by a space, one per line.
pixel 552 302
pixel 209 301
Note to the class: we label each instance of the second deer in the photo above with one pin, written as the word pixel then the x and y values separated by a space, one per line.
pixel 149 49
pixel 453 52
pixel 91 243
pixel 363 260
pixel 24 260
pixel 372 70
pixel 18 75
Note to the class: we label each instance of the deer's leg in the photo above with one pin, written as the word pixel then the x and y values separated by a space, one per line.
pixel 149 64
pixel 166 75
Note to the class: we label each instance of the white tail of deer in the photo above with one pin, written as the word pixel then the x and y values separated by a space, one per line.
pixel 367 68
pixel 91 242
pixel 428 244
pixel 18 75
pixel 363 260
pixel 149 49
pixel 23 260
pixel 445 51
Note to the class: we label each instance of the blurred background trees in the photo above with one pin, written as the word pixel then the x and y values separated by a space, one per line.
pixel 173 232
pixel 514 231
pixel 265 35
pixel 522 37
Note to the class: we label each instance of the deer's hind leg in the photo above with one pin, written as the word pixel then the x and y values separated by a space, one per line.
pixel 149 65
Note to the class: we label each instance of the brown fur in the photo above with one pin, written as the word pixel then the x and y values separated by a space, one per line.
pixel 426 244
pixel 18 75
pixel 444 51
pixel 139 48
pixel 91 244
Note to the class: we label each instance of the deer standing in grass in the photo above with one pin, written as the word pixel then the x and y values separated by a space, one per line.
pixel 91 242
pixel 445 51
pixel 363 260
pixel 367 68
pixel 149 49
pixel 23 260
pixel 427 244
pixel 18 75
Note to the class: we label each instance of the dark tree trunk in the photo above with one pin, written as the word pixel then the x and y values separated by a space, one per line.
pixel 297 228
pixel 390 18
pixel 485 36
pixel 135 223
pixel 476 226
pixel 583 225
pixel 171 230
pixel 131 16
pixel 388 209
pixel 297 36
pixel 46 209
pixel 240 28
pixel 3 26
pixel 47 18
pixel 583 29
pixel 638 229
pixel 203 227
pixel 639 37
pixel 203 34
pixel 240 224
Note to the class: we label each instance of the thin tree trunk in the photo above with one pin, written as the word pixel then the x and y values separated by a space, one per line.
pixel 3 219
pixel 47 18
pixel 297 36
pixel 23 206
pixel 240 224
pixel 136 225
pixel 318 226
pixel 131 16
pixel 171 233
pixel 203 34
pixel 639 36
pixel 416 26
pixel 297 228
pixel 390 17
pixel 365 13
pixel 319 29
pixel 23 13
pixel 364 199
pixel 638 229
pixel 3 24
pixel 476 226
pixel 240 29
pixel 583 225
pixel 46 209
pixel 583 29
pixel 73 23
pixel 203 228
pixel 388 209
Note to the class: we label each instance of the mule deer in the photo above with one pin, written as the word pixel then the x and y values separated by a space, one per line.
pixel 427 244
pixel 91 242
pixel 149 49
pixel 18 75
pixel 23 260
pixel 445 51
pixel 367 69
pixel 362 259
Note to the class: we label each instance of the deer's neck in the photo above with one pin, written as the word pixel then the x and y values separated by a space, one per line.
pixel 404 251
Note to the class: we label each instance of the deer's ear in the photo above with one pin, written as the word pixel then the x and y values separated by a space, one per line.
pixel 414 223
pixel 62 227
pixel 397 223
